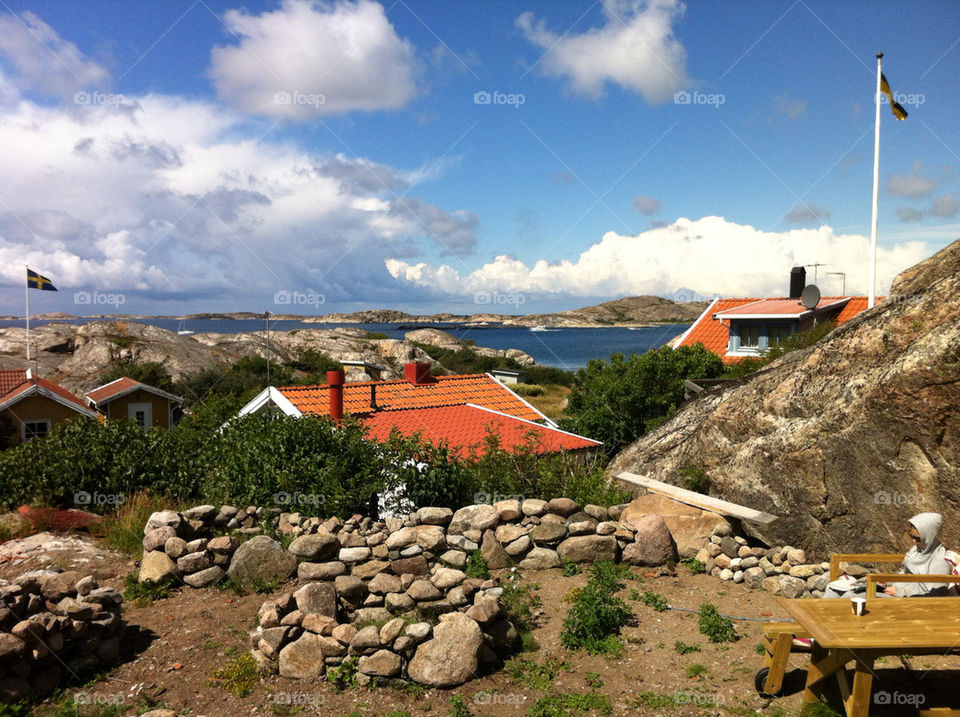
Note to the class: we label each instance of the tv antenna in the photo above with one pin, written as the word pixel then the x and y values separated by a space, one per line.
pixel 814 270
pixel 843 280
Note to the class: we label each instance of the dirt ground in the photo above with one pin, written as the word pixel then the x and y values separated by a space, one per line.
pixel 174 645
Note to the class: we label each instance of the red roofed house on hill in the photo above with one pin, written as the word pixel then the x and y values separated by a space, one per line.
pixel 736 329
pixel 460 411
pixel 134 401
pixel 31 406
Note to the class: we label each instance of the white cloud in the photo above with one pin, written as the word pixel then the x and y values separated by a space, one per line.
pixel 169 197
pixel 646 205
pixel 310 59
pixel 945 206
pixel 709 255
pixel 635 49
pixel 44 62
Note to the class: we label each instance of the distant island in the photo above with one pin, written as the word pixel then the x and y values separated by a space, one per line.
pixel 632 311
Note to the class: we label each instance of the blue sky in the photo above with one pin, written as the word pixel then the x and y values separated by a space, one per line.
pixel 331 156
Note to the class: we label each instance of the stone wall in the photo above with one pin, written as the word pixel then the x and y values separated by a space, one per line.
pixel 53 625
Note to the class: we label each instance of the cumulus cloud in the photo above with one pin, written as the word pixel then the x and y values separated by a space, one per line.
pixel 646 205
pixel 919 181
pixel 634 48
pixel 709 256
pixel 42 61
pixel 174 200
pixel 310 59
pixel 806 213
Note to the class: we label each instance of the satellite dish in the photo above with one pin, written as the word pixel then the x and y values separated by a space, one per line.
pixel 810 296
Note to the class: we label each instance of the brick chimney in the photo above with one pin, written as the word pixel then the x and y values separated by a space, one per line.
pixel 418 373
pixel 335 381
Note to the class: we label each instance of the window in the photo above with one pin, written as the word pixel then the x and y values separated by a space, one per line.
pixel 749 337
pixel 36 429
pixel 779 335
pixel 141 414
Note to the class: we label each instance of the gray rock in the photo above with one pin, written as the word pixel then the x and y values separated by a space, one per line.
pixel 381 663
pixel 203 513
pixel 366 639
pixel 303 658
pixel 563 506
pixel 204 578
pixel 316 547
pixel 321 571
pixel 319 598
pixel 163 518
pixel 518 547
pixel 156 539
pixel 548 533
pixel 157 566
pixel 195 562
pixel 653 545
pixel 175 547
pixel 435 516
pixel 354 555
pixel 474 517
pixel 493 552
pixel 450 658
pixel 534 507
pixel 588 548
pixel 261 558
pixel 540 559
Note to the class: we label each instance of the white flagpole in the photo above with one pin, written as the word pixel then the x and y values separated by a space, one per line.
pixel 876 193
pixel 26 294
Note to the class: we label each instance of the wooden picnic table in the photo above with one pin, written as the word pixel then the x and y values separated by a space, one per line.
pixel 891 626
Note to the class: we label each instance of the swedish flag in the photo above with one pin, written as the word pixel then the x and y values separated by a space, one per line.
pixel 898 111
pixel 35 281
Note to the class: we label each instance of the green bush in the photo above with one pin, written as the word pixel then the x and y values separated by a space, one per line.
pixel 655 600
pixel 596 616
pixel 620 400
pixel 477 566
pixel 716 627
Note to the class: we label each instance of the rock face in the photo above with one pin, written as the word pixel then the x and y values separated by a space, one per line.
pixel 261 558
pixel 450 658
pixel 844 440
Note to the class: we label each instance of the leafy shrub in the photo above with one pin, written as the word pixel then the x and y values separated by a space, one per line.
pixel 683 648
pixel 344 675
pixel 528 389
pixel 716 627
pixel 570 569
pixel 696 567
pixel 655 600
pixel 458 707
pixel 696 670
pixel 144 593
pixel 567 704
pixel 477 566
pixel 536 675
pixel 595 619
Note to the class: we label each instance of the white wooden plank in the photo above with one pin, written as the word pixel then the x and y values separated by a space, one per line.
pixel 698 500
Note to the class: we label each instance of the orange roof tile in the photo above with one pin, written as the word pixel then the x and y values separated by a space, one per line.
pixel 103 394
pixel 11 378
pixel 479 389
pixel 28 385
pixel 715 336
pixel 464 428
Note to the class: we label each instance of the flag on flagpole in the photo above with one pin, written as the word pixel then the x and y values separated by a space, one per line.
pixel 898 111
pixel 36 281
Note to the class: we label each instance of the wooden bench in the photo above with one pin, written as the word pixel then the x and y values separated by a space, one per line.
pixel 777 641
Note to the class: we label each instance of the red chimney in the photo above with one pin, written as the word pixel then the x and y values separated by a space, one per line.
pixel 335 382
pixel 418 373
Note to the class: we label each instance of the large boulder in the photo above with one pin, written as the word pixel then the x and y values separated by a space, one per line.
pixel 588 548
pixel 653 544
pixel 474 517
pixel 261 559
pixel 689 527
pixel 843 440
pixel 319 598
pixel 316 547
pixel 450 658
pixel 303 658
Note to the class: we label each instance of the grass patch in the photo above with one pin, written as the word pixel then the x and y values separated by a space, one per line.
pixel 596 616
pixel 696 670
pixel 716 627
pixel 536 675
pixel 528 389
pixel 696 567
pixel 458 707
pixel 685 649
pixel 238 676
pixel 144 593
pixel 477 566
pixel 593 680
pixel 344 675
pixel 570 569
pixel 818 709
pixel 124 532
pixel 570 704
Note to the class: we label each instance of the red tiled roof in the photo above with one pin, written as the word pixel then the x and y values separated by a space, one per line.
pixel 464 428
pixel 28 385
pixel 479 389
pixel 11 378
pixel 111 389
pixel 780 307
pixel 715 336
